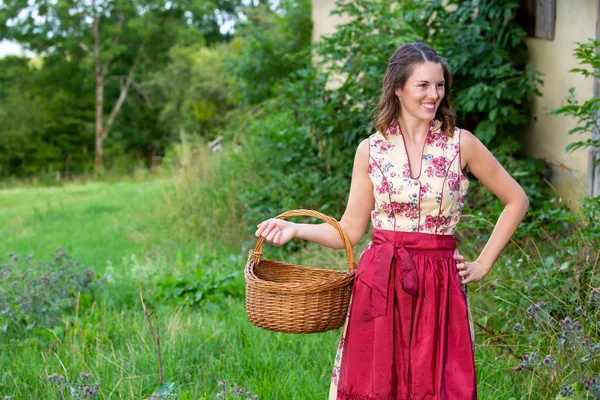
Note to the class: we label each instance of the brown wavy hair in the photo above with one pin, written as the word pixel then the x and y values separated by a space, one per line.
pixel 401 66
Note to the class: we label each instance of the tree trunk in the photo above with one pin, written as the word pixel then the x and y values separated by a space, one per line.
pixel 99 72
pixel 99 162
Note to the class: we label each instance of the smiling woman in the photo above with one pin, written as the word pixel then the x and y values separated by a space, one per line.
pixel 408 333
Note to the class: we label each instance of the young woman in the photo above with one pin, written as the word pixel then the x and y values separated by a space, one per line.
pixel 408 334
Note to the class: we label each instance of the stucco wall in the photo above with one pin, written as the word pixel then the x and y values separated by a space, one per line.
pixel 323 23
pixel 547 135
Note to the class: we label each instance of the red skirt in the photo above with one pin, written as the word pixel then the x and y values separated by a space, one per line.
pixel 408 334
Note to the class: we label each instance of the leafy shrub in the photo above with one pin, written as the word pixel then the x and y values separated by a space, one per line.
pixel 37 296
pixel 586 113
pixel 204 286
pixel 267 48
pixel 269 165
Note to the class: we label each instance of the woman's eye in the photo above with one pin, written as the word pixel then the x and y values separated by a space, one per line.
pixel 441 85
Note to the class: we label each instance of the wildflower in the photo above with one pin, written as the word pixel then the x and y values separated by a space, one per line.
pixel 535 308
pixel 567 391
pixel 517 328
pixel 580 310
pixel 547 360
pixel 84 376
pixel 222 383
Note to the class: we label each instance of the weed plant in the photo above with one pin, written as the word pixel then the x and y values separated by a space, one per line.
pixel 40 295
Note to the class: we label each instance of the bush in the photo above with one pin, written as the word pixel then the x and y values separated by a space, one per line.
pixel 206 285
pixel 481 42
pixel 270 165
pixel 38 296
pixel 541 306
pixel 268 48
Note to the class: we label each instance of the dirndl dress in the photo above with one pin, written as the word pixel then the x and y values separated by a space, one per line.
pixel 408 335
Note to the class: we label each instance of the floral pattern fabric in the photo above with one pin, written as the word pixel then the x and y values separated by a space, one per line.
pixel 431 202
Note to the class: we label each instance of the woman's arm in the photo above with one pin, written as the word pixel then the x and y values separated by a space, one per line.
pixel 354 221
pixel 478 159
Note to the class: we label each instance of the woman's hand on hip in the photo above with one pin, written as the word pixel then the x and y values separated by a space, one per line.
pixel 276 231
pixel 470 271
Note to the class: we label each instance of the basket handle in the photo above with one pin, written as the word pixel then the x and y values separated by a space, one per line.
pixel 257 252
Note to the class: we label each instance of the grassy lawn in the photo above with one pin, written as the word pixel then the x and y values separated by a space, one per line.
pixel 94 223
pixel 119 230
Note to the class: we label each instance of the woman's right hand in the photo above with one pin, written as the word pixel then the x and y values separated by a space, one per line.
pixel 276 231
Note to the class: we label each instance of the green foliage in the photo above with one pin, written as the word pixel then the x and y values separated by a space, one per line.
pixel 586 113
pixel 268 48
pixel 38 296
pixel 204 287
pixel 192 90
pixel 272 165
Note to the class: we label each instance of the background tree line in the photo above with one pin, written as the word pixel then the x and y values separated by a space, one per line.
pixel 116 82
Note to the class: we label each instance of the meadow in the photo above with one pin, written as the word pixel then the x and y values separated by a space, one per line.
pixel 124 232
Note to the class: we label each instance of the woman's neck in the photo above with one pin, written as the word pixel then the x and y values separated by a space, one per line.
pixel 414 130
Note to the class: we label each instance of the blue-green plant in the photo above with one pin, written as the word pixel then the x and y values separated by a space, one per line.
pixel 39 295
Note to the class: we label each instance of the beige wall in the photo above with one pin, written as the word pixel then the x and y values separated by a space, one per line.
pixel 547 135
pixel 323 23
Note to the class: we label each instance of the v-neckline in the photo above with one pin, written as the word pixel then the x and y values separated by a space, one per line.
pixel 410 172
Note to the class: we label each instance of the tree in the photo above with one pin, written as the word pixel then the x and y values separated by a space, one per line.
pixel 269 47
pixel 116 39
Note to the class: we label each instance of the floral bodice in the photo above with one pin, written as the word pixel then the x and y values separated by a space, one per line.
pixel 431 202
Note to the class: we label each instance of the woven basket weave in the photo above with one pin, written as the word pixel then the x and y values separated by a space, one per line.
pixel 296 299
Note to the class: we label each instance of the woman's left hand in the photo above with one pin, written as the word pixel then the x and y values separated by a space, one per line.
pixel 470 271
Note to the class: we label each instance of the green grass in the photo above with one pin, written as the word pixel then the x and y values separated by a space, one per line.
pixel 120 230
pixel 95 223
pixel 117 229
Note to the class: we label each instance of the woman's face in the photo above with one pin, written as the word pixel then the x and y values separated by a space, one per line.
pixel 423 91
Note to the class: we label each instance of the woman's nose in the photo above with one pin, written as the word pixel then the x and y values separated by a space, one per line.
pixel 434 92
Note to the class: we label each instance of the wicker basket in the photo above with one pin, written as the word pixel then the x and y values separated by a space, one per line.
pixel 295 299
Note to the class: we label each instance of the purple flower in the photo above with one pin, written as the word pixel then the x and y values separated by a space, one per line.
pixel 548 359
pixel 517 328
